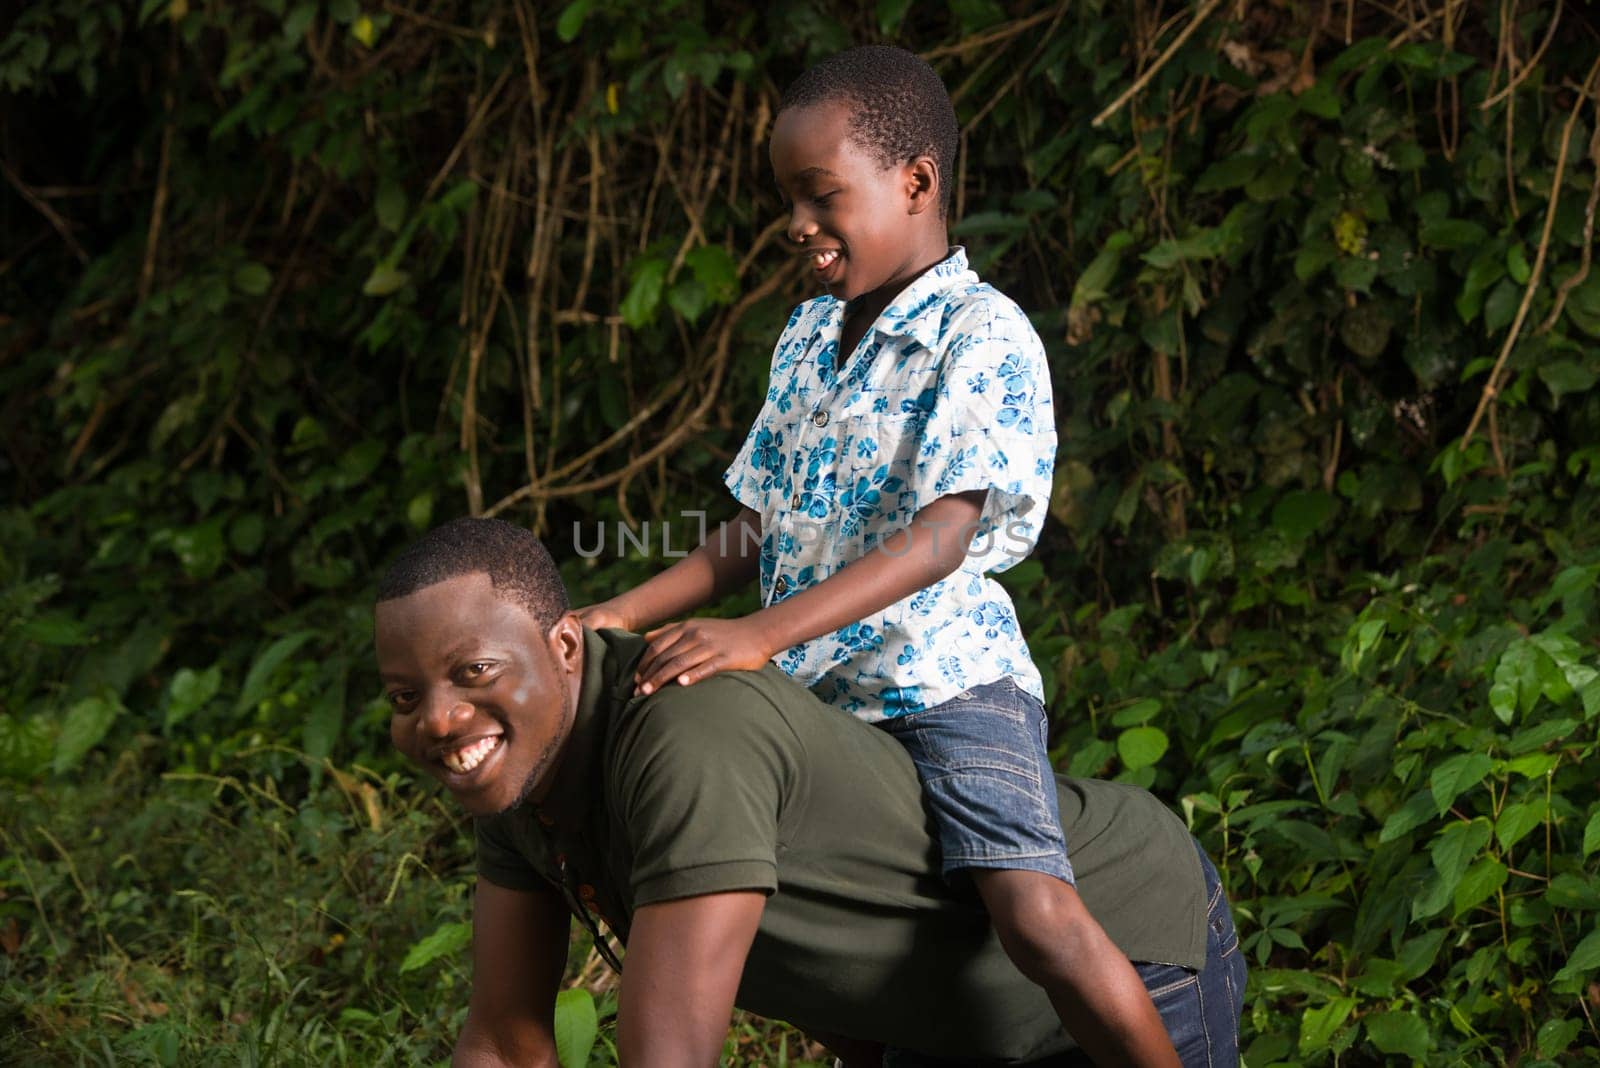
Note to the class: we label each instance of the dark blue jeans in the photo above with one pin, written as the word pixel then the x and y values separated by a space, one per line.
pixel 1201 1009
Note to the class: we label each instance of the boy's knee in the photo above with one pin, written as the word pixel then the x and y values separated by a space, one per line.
pixel 1041 923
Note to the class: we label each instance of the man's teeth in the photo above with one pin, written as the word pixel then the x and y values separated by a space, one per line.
pixel 821 260
pixel 468 757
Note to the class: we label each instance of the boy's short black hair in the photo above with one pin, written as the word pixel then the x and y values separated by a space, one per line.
pixel 901 108
pixel 517 563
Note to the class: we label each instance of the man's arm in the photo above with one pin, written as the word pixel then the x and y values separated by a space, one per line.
pixel 519 951
pixel 724 562
pixel 685 958
pixel 925 551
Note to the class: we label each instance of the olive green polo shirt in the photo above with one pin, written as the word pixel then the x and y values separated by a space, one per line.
pixel 746 781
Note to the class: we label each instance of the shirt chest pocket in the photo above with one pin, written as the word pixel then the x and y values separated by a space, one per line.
pixel 877 471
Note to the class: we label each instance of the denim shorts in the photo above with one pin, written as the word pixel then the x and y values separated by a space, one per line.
pixel 1201 1009
pixel 987 780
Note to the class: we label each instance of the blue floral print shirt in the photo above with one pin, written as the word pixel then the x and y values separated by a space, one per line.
pixel 947 392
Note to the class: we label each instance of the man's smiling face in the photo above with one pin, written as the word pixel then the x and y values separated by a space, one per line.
pixel 483 696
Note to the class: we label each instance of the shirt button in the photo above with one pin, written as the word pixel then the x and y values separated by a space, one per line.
pixel 586 892
pixel 547 819
pixel 819 418
pixel 794 502
pixel 781 586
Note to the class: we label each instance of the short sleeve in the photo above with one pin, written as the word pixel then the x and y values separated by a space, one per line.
pixel 759 463
pixel 499 859
pixel 749 468
pixel 992 427
pixel 701 778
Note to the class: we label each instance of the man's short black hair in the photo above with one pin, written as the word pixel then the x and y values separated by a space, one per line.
pixel 517 563
pixel 900 107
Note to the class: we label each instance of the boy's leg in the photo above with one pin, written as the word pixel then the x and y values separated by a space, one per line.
pixel 1051 938
pixel 987 780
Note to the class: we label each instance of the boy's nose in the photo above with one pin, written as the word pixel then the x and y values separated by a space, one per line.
pixel 800 228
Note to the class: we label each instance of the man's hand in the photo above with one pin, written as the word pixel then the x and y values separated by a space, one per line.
pixel 604 614
pixel 696 649
pixel 519 950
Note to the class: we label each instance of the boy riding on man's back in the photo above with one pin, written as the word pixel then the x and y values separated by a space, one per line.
pixel 905 450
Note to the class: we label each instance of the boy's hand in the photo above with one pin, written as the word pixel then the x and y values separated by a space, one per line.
pixel 603 614
pixel 696 649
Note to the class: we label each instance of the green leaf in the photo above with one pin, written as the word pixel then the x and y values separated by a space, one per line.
pixel 1230 172
pixel 1320 100
pixel 252 279
pixel 189 691
pixel 344 12
pixel 58 630
pixel 1517 820
pixel 715 269
pixel 1418 809
pixel 86 723
pixel 448 940
pixel 1479 883
pixel 1591 835
pixel 1095 281
pixel 1585 957
pixel 1318 1025
pixel 391 205
pixel 1555 1036
pixel 1301 513
pixel 577 1027
pixel 25 747
pixel 1456 776
pixel 1398 1032
pixel 266 666
pixel 201 548
pixel 687 297
pixel 1141 711
pixel 1139 747
pixel 1452 233
pixel 1457 846
pixel 1533 765
pixel 1517 680
pixel 383 280
pixel 1566 376
pixel 570 21
pixel 644 295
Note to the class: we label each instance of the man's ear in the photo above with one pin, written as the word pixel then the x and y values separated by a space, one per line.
pixel 922 185
pixel 565 639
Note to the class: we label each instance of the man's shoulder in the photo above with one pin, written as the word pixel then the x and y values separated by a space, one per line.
pixel 721 717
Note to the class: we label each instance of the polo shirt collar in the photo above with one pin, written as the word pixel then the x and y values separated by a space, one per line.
pixel 906 314
pixel 607 685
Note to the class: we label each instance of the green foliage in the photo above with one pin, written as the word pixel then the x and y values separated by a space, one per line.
pixel 287 282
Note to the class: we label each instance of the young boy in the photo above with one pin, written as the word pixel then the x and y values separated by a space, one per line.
pixel 905 449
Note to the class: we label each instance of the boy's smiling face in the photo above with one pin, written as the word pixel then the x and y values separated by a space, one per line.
pixel 863 226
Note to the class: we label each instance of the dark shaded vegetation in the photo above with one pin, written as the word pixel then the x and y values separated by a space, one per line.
pixel 284 283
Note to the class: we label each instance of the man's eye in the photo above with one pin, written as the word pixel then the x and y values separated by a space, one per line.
pixel 476 669
pixel 401 700
pixel 822 200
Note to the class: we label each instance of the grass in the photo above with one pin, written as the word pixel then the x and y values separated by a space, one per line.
pixel 257 914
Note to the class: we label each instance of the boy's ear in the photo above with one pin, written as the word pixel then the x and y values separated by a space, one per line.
pixel 922 185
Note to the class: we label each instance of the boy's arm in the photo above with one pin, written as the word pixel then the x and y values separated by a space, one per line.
pixel 685 959
pixel 724 562
pixel 519 950
pixel 928 549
